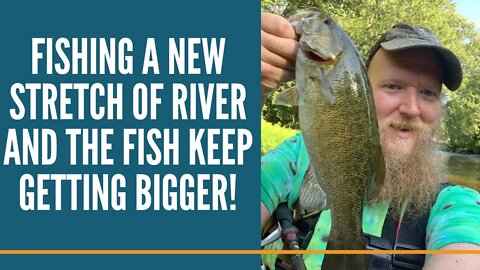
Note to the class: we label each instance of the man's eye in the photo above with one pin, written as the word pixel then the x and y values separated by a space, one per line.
pixel 392 86
pixel 429 93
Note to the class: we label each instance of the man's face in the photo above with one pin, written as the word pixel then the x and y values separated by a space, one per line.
pixel 407 91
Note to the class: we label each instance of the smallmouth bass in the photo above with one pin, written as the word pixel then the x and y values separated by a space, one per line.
pixel 338 122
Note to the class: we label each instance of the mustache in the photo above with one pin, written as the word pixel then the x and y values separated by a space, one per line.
pixel 411 124
pixel 407 124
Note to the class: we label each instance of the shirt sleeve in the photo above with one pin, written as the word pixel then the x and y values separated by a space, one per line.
pixel 455 218
pixel 279 171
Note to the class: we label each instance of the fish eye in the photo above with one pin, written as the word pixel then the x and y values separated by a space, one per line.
pixel 328 21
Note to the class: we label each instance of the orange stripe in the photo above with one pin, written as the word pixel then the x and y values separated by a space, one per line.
pixel 222 252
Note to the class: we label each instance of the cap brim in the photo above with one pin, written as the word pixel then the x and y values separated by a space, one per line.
pixel 452 67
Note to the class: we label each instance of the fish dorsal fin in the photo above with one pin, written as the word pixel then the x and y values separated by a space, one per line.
pixel 287 97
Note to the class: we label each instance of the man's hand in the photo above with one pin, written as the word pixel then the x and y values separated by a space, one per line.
pixel 279 51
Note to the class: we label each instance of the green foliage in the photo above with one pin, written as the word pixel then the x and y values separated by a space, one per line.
pixel 286 116
pixel 272 135
pixel 366 20
pixel 273 6
pixel 462 124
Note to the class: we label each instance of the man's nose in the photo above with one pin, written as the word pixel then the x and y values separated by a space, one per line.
pixel 409 103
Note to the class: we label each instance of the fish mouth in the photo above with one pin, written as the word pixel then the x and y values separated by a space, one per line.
pixel 322 59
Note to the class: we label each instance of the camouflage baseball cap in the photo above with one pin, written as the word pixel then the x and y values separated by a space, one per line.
pixel 404 36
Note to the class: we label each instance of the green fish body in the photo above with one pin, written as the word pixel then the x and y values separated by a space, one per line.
pixel 338 122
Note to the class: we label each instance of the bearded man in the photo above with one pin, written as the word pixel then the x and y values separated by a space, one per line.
pixel 406 67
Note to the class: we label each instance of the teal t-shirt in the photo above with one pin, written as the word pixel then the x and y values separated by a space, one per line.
pixel 455 216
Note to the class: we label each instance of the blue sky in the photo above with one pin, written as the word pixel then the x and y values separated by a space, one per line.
pixel 469 9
